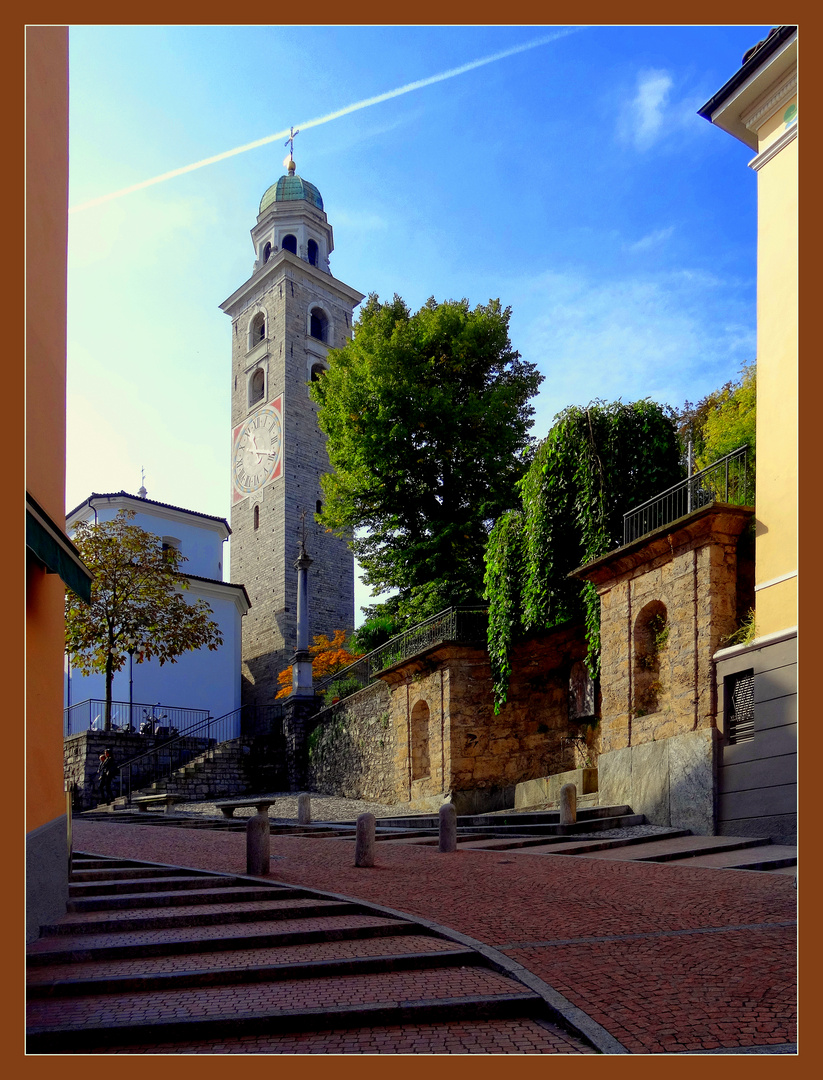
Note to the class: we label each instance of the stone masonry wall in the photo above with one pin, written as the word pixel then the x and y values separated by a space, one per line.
pixel 692 572
pixel 352 749
pixel 81 758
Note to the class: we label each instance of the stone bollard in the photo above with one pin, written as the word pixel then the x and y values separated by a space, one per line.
pixel 448 827
pixel 364 841
pixel 258 842
pixel 568 804
pixel 304 809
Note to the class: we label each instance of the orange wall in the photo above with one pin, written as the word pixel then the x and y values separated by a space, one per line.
pixel 46 240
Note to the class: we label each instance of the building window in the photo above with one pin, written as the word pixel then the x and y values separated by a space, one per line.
pixel 257 329
pixel 267 252
pixel 319 509
pixel 257 517
pixel 317 370
pixel 318 324
pixel 739 696
pixel 312 252
pixel 651 635
pixel 169 543
pixel 257 387
pixel 290 244
pixel 420 741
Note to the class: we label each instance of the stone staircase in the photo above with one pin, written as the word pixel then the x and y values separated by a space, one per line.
pixel 217 772
pixel 166 960
pixel 540 832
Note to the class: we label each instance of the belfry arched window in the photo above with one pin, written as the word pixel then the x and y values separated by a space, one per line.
pixel 290 244
pixel 312 252
pixel 267 252
pixel 257 330
pixel 257 387
pixel 318 324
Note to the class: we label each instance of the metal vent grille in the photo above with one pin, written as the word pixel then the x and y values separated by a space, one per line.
pixel 740 696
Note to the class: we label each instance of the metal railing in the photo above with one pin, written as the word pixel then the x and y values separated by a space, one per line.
pixel 728 480
pixel 464 624
pixel 90 715
pixel 169 756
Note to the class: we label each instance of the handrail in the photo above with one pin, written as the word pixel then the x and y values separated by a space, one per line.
pixel 125 713
pixel 207 733
pixel 450 623
pixel 728 480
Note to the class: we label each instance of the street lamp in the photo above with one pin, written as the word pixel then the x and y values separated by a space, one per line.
pixel 131 647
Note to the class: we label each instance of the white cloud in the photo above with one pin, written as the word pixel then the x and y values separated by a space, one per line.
pixel 650 112
pixel 651 240
pixel 671 337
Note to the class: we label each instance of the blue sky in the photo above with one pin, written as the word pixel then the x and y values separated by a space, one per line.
pixel 573 180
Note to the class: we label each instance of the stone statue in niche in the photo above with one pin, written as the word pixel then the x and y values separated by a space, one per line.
pixel 581 693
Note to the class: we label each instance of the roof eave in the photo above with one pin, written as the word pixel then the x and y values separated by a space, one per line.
pixel 776 56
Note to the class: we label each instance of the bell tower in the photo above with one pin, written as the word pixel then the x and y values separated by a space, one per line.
pixel 285 318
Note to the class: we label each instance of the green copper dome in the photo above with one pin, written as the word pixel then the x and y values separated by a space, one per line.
pixel 291 188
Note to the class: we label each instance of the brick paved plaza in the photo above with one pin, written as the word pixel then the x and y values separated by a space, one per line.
pixel 668 959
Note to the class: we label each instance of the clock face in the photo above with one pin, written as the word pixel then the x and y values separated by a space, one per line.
pixel 257 450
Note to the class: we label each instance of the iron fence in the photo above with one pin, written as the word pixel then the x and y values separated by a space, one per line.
pixel 467 625
pixel 89 715
pixel 728 480
pixel 167 757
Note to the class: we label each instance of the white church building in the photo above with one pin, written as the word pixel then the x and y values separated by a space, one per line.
pixel 204 680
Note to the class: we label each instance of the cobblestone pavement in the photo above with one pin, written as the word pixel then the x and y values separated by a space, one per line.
pixel 669 959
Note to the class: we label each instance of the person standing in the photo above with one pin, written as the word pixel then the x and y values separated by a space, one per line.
pixel 105 775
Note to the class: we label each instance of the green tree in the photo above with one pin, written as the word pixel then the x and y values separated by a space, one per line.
pixel 595 464
pixel 428 420
pixel 722 420
pixel 136 602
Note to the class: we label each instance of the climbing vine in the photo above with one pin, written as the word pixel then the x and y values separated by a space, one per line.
pixel 594 465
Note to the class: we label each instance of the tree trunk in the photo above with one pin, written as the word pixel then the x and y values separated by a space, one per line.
pixel 109 681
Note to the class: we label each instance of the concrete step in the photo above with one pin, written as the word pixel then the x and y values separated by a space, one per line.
pixel 110 887
pixel 127 873
pixel 162 981
pixel 758 857
pixel 562 845
pixel 175 898
pixel 503 818
pixel 45 1039
pixel 222 913
pixel 65 949
pixel 677 848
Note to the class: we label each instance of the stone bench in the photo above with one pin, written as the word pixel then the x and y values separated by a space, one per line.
pixel 228 806
pixel 143 802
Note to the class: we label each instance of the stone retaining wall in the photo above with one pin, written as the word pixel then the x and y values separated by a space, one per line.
pixel 81 758
pixel 671 781
pixel 353 750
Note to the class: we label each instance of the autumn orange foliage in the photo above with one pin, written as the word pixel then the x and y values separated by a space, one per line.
pixel 329 655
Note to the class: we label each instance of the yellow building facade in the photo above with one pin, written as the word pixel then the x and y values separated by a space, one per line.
pixel 757 781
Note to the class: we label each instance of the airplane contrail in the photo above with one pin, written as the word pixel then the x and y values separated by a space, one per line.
pixel 376 100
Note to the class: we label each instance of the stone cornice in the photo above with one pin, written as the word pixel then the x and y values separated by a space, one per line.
pixel 714 522
pixel 773 149
pixel 287 263
pixel 771 101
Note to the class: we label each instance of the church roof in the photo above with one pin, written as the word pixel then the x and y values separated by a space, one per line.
pixel 291 188
pixel 142 501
